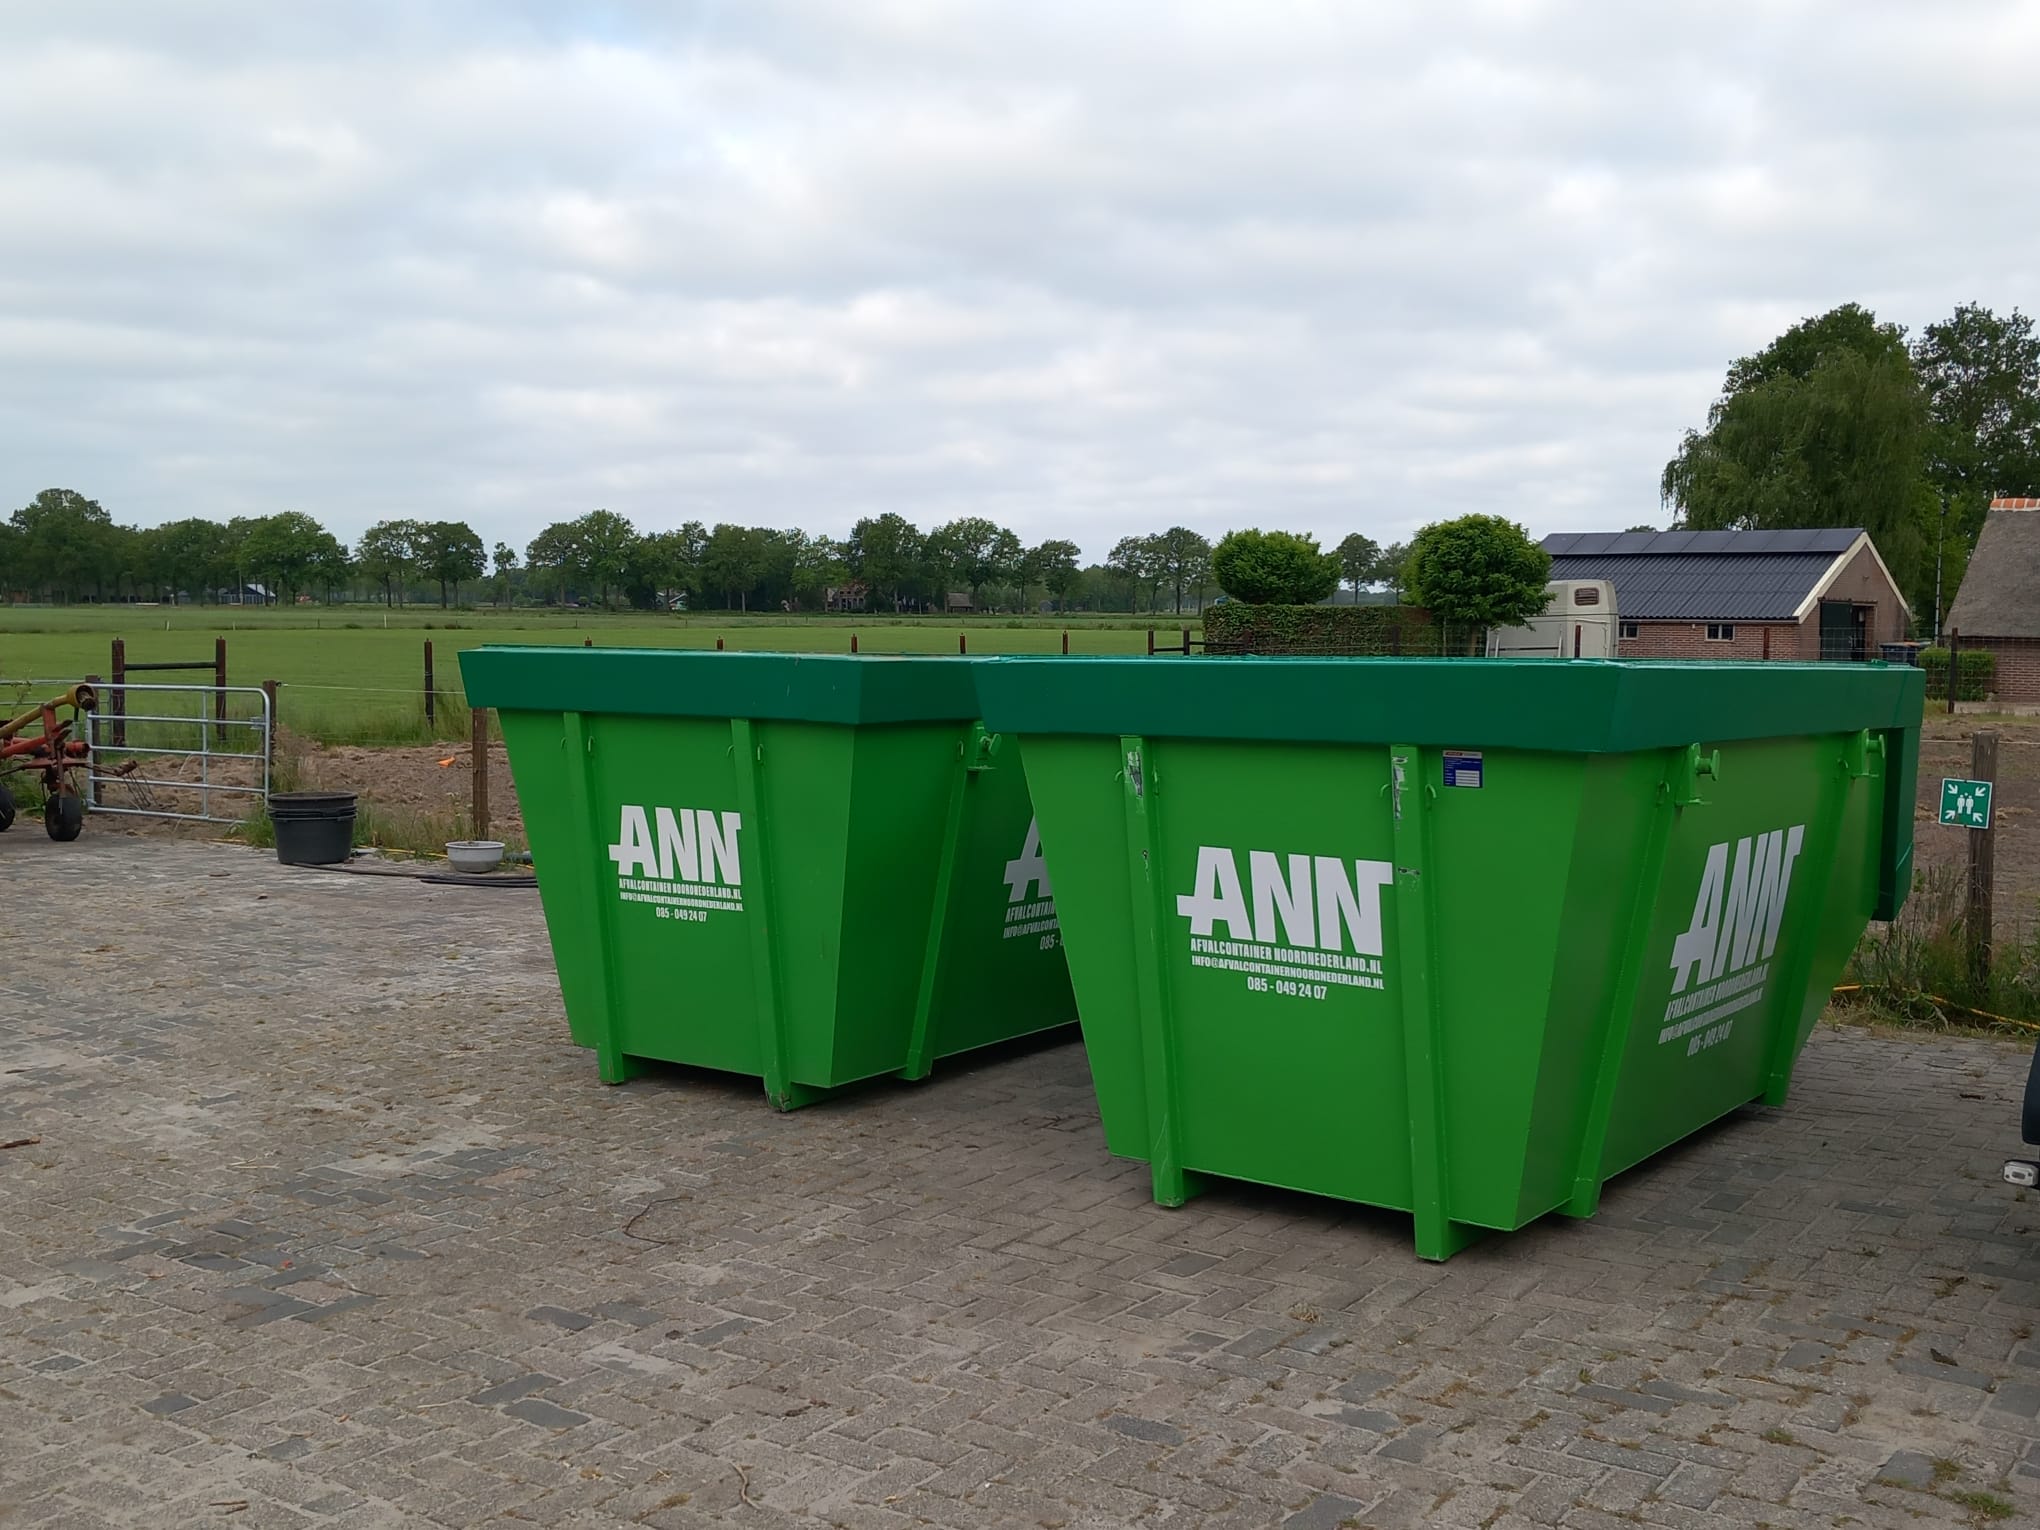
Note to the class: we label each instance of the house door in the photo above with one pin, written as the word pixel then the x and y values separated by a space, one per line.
pixel 1844 629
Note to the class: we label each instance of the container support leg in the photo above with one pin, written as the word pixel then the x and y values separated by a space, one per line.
pixel 1782 1049
pixel 610 1062
pixel 1665 810
pixel 1410 796
pixel 1173 1184
pixel 921 1042
pixel 780 1088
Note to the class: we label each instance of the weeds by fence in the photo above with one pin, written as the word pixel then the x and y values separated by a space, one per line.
pixel 1916 970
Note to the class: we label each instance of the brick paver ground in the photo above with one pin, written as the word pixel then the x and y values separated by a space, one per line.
pixel 329 1226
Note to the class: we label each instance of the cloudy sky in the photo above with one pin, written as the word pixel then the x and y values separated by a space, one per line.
pixel 1089 269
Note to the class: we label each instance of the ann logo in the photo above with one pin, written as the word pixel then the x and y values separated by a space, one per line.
pixel 1304 902
pixel 1030 870
pixel 1030 896
pixel 684 861
pixel 1738 910
pixel 1298 925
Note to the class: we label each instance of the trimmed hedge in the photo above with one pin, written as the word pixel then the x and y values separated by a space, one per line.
pixel 1236 627
pixel 1975 671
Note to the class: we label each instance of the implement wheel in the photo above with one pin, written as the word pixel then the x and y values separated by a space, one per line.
pixel 64 816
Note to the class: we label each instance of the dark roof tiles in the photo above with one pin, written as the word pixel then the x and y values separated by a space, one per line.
pixel 1702 575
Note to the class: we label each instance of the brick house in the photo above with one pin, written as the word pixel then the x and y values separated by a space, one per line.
pixel 1817 594
pixel 1998 606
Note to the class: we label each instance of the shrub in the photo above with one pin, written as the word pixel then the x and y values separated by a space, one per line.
pixel 1975 671
pixel 1236 628
pixel 1280 568
pixel 1478 569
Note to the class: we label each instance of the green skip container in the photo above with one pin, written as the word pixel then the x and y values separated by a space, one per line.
pixel 1464 938
pixel 811 869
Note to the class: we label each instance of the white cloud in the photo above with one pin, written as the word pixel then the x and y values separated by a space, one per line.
pixel 1088 269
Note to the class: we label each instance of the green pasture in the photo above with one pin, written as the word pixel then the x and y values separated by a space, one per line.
pixel 355 674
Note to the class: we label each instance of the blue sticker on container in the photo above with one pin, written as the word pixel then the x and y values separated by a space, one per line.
pixel 1462 767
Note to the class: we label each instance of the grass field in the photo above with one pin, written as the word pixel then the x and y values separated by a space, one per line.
pixel 355 674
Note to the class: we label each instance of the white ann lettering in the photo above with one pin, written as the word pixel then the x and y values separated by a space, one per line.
pixel 633 852
pixel 676 845
pixel 1215 896
pixel 1737 913
pixel 1311 902
pixel 689 845
pixel 1031 870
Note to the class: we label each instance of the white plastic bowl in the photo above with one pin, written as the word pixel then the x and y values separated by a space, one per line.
pixel 476 855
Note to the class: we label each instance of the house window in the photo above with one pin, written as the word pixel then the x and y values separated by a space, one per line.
pixel 1630 629
pixel 1721 632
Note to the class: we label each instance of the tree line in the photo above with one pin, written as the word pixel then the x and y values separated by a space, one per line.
pixel 63 546
pixel 1840 421
pixel 1844 421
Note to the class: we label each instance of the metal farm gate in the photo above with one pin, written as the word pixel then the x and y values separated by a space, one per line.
pixel 197 752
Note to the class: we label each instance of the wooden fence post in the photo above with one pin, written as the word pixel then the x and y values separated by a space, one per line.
pixel 479 746
pixel 118 695
pixel 1983 759
pixel 219 661
pixel 429 719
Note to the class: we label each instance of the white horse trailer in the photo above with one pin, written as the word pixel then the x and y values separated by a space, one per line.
pixel 1578 622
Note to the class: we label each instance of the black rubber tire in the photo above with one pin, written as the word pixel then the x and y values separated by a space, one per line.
pixel 64 817
pixel 6 810
pixel 2031 1115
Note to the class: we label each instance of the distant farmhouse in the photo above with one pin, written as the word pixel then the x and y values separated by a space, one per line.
pixel 1821 594
pixel 1998 606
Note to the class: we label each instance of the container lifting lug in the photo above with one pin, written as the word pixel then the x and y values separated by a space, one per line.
pixel 1691 764
pixel 978 748
pixel 1861 748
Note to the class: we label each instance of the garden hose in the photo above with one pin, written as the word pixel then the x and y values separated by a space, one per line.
pixel 1967 1009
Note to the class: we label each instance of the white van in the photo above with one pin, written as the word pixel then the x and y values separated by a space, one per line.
pixel 1578 622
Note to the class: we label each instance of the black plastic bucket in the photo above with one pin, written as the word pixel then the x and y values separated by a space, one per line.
pixel 312 828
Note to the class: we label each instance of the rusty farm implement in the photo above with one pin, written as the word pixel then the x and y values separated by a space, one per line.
pixel 39 743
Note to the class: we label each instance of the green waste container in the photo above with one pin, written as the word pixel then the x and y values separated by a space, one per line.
pixel 812 869
pixel 1464 938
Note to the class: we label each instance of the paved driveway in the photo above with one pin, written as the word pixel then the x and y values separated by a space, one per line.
pixel 328 1226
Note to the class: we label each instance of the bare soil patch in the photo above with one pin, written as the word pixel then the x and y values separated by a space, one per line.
pixel 423 780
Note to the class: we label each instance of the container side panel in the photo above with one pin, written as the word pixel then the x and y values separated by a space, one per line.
pixel 1748 873
pixel 804 794
pixel 1613 806
pixel 669 846
pixel 1901 776
pixel 1282 999
pixel 1074 783
pixel 1515 996
pixel 1003 972
pixel 536 744
pixel 902 778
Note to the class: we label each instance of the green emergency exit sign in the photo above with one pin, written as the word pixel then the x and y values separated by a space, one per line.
pixel 1966 804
